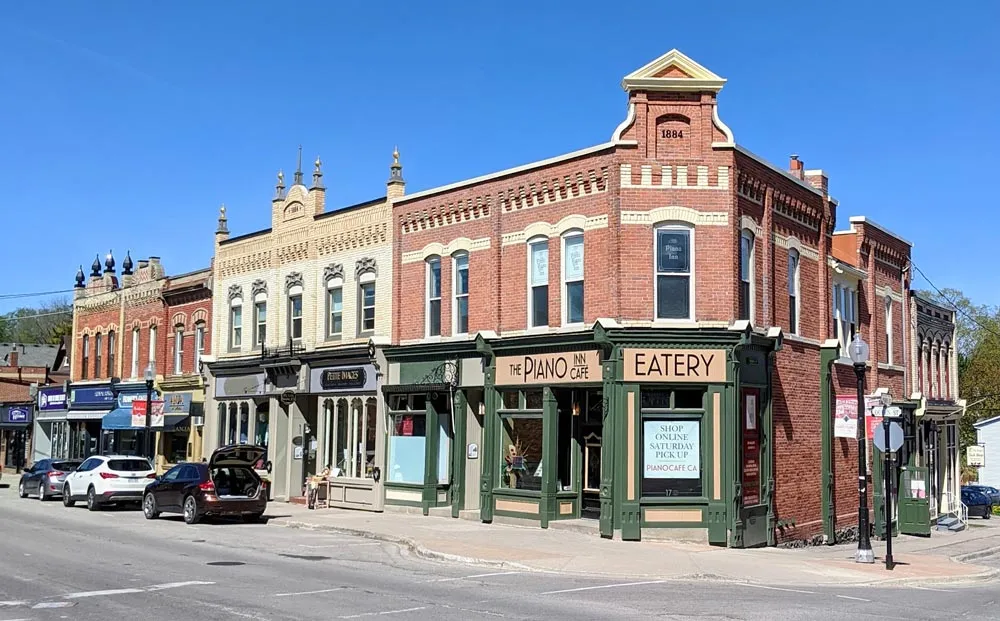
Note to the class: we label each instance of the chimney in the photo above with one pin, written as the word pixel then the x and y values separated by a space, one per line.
pixel 155 268
pixel 795 166
pixel 12 358
pixel 818 179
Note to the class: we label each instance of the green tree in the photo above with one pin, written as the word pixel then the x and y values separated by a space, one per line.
pixel 48 322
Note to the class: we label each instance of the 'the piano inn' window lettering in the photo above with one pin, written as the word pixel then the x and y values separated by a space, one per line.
pixel 673 273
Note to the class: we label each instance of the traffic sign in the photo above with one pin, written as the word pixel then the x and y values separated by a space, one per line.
pixel 895 437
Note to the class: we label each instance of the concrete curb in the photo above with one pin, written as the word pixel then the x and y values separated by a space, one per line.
pixel 420 551
pixel 978 554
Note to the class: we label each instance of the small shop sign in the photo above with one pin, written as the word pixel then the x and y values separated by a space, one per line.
pixel 561 368
pixel 675 365
pixel 51 399
pixel 341 379
pixel 975 455
pixel 845 417
pixel 672 449
pixel 139 413
pixel 18 414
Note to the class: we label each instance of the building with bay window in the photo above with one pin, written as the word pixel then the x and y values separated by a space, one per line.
pixel 300 310
pixel 643 332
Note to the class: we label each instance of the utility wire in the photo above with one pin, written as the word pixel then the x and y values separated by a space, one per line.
pixel 12 296
pixel 20 317
pixel 959 309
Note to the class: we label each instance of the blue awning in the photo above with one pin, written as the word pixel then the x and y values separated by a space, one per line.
pixel 117 419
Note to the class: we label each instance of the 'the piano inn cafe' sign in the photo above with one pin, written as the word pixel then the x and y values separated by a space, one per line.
pixel 561 368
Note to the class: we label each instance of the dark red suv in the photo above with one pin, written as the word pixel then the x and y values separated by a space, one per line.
pixel 225 486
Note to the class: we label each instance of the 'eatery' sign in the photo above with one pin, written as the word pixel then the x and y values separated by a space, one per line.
pixel 577 366
pixel 675 365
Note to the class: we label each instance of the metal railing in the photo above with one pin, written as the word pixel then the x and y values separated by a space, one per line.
pixel 964 515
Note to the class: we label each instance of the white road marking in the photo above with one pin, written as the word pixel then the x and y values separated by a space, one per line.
pixel 177 585
pixel 52 605
pixel 21 619
pixel 383 613
pixel 12 603
pixel 923 588
pixel 603 586
pixel 771 588
pixel 498 573
pixel 857 599
pixel 342 545
pixel 101 593
pixel 307 592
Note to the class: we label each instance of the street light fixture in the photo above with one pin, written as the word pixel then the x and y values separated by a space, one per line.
pixel 149 375
pixel 858 350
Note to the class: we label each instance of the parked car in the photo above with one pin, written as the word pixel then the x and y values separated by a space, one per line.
pixel 45 478
pixel 977 502
pixel 226 485
pixel 107 479
pixel 992 492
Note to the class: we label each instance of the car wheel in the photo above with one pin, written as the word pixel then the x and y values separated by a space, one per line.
pixel 67 499
pixel 252 518
pixel 190 510
pixel 987 513
pixel 41 490
pixel 21 492
pixel 149 507
pixel 92 503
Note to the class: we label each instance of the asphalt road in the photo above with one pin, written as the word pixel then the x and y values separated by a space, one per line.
pixel 59 563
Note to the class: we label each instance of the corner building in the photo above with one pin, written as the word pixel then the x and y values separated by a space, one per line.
pixel 630 333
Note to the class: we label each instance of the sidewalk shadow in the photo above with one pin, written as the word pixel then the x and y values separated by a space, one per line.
pixel 4 485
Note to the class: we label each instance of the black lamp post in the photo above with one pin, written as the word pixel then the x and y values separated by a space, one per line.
pixel 859 356
pixel 150 375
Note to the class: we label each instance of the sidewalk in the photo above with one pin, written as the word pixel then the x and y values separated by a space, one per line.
pixel 936 560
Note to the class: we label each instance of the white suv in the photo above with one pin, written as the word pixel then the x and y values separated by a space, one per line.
pixel 108 479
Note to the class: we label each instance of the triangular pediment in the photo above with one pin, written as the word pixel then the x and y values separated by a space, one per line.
pixel 673 72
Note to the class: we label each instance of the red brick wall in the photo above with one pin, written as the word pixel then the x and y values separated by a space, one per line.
pixel 143 316
pixel 90 322
pixel 188 316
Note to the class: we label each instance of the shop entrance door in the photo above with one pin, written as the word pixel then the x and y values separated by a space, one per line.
pixel 914 503
pixel 754 470
pixel 590 435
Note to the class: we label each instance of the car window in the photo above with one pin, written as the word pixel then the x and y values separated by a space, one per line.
pixel 128 465
pixel 88 465
pixel 40 466
pixel 63 466
pixel 190 473
pixel 173 473
pixel 231 480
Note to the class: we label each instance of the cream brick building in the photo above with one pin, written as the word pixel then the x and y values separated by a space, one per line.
pixel 300 310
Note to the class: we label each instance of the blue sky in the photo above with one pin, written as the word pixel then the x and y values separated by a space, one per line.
pixel 126 124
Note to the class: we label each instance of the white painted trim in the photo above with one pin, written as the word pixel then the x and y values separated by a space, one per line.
pixel 795 338
pixel 814 172
pixel 427 296
pixel 730 141
pixel 843 268
pixel 778 170
pixel 746 222
pixel 890 367
pixel 676 213
pixel 460 244
pixel 792 243
pixel 531 241
pixel 294 290
pixel 544 229
pixel 454 290
pixel 563 297
pixel 616 136
pixel 334 283
pixel 503 173
pixel 701 78
pixel 869 222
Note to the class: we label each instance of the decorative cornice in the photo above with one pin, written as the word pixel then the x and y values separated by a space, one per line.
pixel 258 286
pixel 235 291
pixel 461 244
pixel 545 229
pixel 674 177
pixel 793 243
pixel 334 270
pixel 293 279
pixel 366 264
pixel 676 214
pixel 887 292
pixel 746 222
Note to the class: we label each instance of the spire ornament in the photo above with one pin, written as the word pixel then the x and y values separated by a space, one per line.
pixel 318 174
pixel 298 169
pixel 95 267
pixel 279 189
pixel 223 222
pixel 109 263
pixel 396 169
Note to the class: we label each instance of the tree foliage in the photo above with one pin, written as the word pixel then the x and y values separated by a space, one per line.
pixel 46 323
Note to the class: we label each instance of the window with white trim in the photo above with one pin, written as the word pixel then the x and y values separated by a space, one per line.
pixel 366 303
pixel 86 357
pixel 845 314
pixel 295 314
pixel 538 282
pixel 111 353
pixel 888 329
pixel 461 289
pixel 674 267
pixel 433 309
pixel 152 344
pixel 135 353
pixel 260 322
pixel 199 344
pixel 335 307
pixel 572 266
pixel 793 291
pixel 236 324
pixel 746 275
pixel 97 355
pixel 178 350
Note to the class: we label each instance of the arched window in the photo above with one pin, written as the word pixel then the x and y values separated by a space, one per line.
pixel 538 282
pixel 432 324
pixel 178 349
pixel 86 357
pixel 111 353
pixel 97 355
pixel 460 287
pixel 572 277
pixel 793 291
pixel 135 354
pixel 888 330
pixel 673 294
pixel 747 275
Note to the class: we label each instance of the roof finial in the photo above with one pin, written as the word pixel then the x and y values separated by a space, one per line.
pixel 109 263
pixel 396 170
pixel 318 174
pixel 127 264
pixel 395 155
pixel 279 189
pixel 223 226
pixel 298 169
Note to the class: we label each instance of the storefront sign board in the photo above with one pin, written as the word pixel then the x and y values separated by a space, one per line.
pixel 177 403
pixel 92 395
pixel 675 365
pixel 51 399
pixel 139 413
pixel 359 377
pixel 16 414
pixel 845 417
pixel 672 449
pixel 240 385
pixel 561 368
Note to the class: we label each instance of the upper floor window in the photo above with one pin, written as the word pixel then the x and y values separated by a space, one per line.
pixel 178 350
pixel 572 263
pixel 135 354
pixel 152 343
pixel 236 324
pixel 366 298
pixel 97 355
pixel 793 291
pixel 111 353
pixel 434 296
pixel 674 290
pixel 461 289
pixel 84 369
pixel 746 275
pixel 845 314
pixel 199 345
pixel 538 282
pixel 335 306
pixel 888 330
pixel 295 313
pixel 260 322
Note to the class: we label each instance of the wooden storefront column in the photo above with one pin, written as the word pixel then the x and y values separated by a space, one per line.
pixel 548 507
pixel 828 353
pixel 718 514
pixel 631 516
pixel 608 452
pixel 460 405
pixel 432 448
pixel 488 450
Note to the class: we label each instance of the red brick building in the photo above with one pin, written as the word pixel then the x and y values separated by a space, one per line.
pixel 633 332
pixel 123 326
